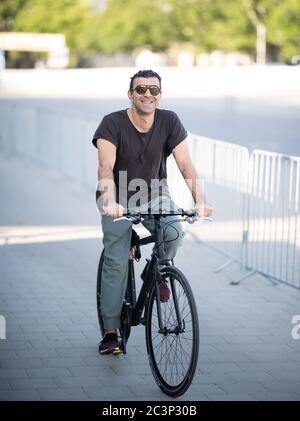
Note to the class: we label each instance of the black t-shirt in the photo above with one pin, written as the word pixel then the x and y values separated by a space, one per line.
pixel 141 155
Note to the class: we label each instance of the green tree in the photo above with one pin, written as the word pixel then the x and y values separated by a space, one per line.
pixel 205 24
pixel 277 26
pixel 56 16
pixel 8 12
pixel 284 29
pixel 127 25
pixel 259 27
pixel 69 17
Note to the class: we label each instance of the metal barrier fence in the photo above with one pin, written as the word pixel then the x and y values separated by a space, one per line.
pixel 255 196
pixel 223 167
pixel 273 227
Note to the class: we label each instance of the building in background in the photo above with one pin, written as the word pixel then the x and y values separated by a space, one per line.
pixel 52 44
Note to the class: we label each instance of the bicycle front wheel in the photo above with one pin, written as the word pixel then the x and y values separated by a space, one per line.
pixel 173 350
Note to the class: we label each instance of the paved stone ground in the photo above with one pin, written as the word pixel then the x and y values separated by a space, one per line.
pixel 48 299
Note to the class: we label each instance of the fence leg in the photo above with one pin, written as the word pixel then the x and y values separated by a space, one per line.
pixel 250 273
pixel 245 276
pixel 223 266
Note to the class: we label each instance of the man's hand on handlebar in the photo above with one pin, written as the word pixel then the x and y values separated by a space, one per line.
pixel 204 210
pixel 113 210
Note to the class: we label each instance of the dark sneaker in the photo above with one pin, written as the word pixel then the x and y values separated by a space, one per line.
pixel 110 344
pixel 164 292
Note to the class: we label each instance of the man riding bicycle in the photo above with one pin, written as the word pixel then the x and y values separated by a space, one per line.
pixel 133 146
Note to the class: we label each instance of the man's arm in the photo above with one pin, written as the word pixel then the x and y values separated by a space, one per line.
pixel 106 184
pixel 183 159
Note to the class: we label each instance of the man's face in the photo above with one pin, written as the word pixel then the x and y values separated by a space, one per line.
pixel 145 103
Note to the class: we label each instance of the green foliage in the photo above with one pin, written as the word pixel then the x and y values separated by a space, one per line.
pixel 284 28
pixel 228 25
pixel 127 25
pixel 69 17
pixel 55 16
pixel 8 12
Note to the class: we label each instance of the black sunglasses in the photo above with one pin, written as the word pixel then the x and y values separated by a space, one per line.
pixel 142 89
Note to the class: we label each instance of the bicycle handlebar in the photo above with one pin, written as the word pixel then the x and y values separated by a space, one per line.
pixel 190 215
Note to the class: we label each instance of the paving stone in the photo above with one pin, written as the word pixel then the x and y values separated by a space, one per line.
pixel 63 362
pixel 228 356
pixel 20 384
pixel 213 378
pixel 267 356
pixel 10 344
pixel 42 372
pixel 77 352
pixel 232 397
pixel 65 335
pixel 37 353
pixel 47 343
pixel 129 369
pixel 190 397
pixel 110 393
pixel 19 395
pixel 21 363
pixel 104 371
pixel 4 385
pixel 242 387
pixel 275 396
pixel 283 386
pixel 221 367
pixel 207 389
pixel 77 327
pixel 82 381
pixel 285 375
pixel 8 355
pixel 34 327
pixel 12 373
pixel 128 380
pixel 102 360
pixel 63 394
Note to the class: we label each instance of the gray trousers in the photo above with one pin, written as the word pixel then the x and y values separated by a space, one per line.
pixel 116 242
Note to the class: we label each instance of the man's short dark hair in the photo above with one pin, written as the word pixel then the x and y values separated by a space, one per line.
pixel 144 73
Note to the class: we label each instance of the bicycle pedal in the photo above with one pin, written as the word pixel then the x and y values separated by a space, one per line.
pixel 121 349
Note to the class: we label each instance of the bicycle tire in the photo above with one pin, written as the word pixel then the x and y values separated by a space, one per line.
pixel 173 372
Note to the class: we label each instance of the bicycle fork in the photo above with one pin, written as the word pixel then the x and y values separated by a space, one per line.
pixel 180 322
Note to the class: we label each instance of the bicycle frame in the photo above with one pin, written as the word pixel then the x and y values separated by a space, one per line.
pixel 152 275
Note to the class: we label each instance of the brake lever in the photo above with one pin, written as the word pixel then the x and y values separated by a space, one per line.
pixel 207 218
pixel 195 218
pixel 120 219
pixel 191 219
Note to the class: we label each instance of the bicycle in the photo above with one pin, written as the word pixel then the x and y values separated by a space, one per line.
pixel 172 327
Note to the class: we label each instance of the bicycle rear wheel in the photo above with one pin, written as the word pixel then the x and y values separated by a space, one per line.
pixel 173 353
